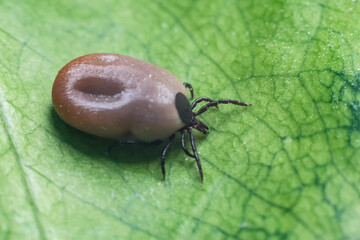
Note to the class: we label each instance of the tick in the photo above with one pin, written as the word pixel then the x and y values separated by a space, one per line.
pixel 129 100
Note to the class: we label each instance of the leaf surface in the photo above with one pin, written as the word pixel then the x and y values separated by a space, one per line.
pixel 285 168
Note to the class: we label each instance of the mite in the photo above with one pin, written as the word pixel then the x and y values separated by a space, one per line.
pixel 129 100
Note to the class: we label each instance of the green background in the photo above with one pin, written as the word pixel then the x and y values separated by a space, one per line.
pixel 285 168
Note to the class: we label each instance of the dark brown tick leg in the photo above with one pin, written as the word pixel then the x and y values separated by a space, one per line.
pixel 171 141
pixel 199 100
pixel 188 85
pixel 184 146
pixel 192 140
pixel 221 101
pixel 116 143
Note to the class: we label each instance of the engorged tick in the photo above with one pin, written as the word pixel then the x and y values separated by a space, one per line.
pixel 129 100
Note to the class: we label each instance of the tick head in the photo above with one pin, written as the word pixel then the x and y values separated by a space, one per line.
pixel 187 115
pixel 184 109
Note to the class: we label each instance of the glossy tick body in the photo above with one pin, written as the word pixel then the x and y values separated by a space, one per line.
pixel 129 100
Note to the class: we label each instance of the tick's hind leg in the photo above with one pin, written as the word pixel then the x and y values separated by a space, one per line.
pixel 192 141
pixel 221 101
pixel 183 146
pixel 171 141
pixel 195 154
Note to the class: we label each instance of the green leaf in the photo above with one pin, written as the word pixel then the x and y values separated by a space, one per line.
pixel 285 168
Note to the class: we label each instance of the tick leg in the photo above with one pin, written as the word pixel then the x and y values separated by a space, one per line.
pixel 221 101
pixel 199 100
pixel 116 143
pixel 192 140
pixel 188 85
pixel 171 141
pixel 184 146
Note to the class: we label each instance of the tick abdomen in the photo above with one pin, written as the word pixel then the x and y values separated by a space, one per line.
pixel 119 97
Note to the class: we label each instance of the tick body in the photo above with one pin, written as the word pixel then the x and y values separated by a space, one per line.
pixel 123 98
